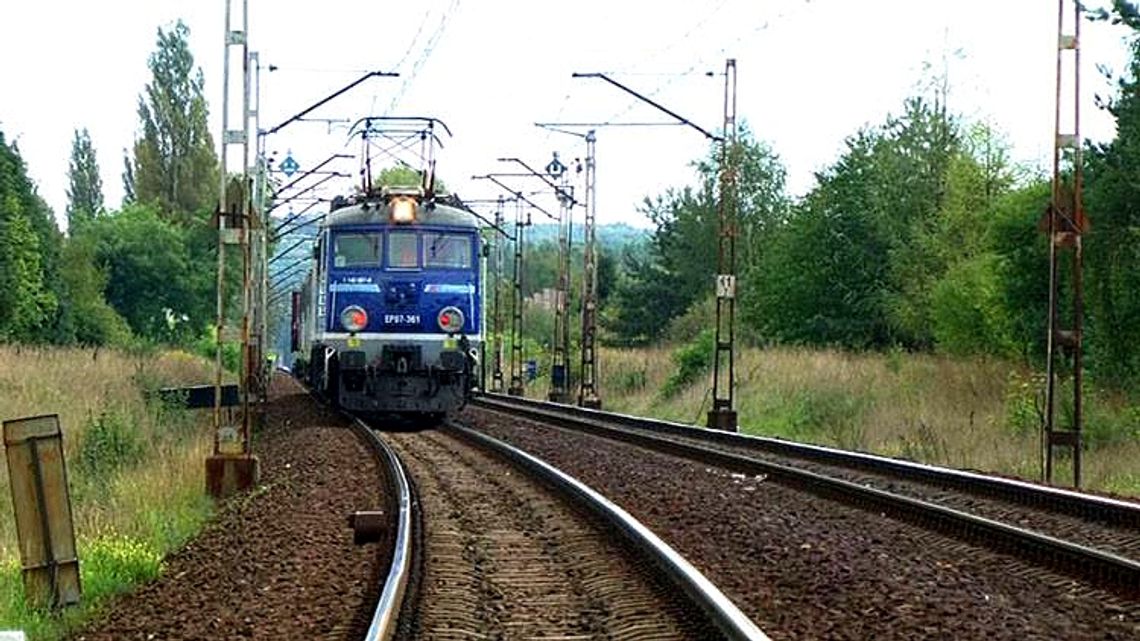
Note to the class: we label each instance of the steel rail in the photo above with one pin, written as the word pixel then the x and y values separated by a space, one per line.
pixel 385 619
pixel 1087 506
pixel 1120 574
pixel 720 610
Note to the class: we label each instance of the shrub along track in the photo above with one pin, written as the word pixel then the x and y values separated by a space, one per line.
pixel 280 562
pixel 805 567
pixel 505 558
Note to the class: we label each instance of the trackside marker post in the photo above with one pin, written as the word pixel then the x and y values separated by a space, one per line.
pixel 42 506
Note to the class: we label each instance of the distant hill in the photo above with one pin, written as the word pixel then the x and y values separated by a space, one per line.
pixel 610 236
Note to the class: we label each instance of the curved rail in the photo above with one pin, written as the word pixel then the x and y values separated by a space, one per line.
pixel 1088 506
pixel 721 611
pixel 1121 573
pixel 387 614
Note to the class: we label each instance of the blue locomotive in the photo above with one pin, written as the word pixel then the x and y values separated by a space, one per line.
pixel 388 319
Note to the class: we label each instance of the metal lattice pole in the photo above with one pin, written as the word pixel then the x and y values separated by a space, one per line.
pixel 497 314
pixel 1065 222
pixel 517 387
pixel 559 366
pixel 723 416
pixel 260 208
pixel 588 395
pixel 232 467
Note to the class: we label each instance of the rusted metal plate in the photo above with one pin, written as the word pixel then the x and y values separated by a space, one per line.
pixel 1067 438
pixel 42 505
pixel 229 475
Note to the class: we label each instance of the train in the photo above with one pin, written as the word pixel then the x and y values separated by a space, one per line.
pixel 387 320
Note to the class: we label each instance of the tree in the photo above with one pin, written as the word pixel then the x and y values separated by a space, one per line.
pixel 85 191
pixel 682 255
pixel 403 176
pixel 823 274
pixel 152 274
pixel 642 300
pixel 128 180
pixel 94 321
pixel 1112 245
pixel 175 167
pixel 27 254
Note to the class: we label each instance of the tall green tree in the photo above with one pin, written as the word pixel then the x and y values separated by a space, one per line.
pixel 824 273
pixel 128 180
pixel 1112 245
pixel 28 254
pixel 677 271
pixel 152 277
pixel 85 187
pixel 174 166
pixel 93 320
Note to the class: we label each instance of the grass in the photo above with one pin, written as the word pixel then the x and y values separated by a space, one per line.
pixel 967 413
pixel 135 468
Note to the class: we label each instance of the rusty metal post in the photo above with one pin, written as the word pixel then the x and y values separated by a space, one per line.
pixel 722 416
pixel 232 467
pixel 588 392
pixel 1065 221
pixel 262 232
pixel 497 313
pixel 517 387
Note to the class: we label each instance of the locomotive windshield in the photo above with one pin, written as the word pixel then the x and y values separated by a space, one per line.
pixel 452 251
pixel 402 250
pixel 357 250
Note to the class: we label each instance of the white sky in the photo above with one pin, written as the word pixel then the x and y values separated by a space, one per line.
pixel 810 74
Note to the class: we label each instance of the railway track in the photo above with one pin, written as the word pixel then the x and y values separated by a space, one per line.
pixel 504 554
pixel 1094 538
pixel 803 567
pixel 384 621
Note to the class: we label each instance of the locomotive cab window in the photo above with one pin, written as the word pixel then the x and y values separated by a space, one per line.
pixel 450 251
pixel 403 250
pixel 357 250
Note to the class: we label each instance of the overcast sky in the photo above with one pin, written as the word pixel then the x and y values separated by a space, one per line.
pixel 810 74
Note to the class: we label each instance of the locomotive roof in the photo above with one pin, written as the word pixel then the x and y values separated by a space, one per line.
pixel 447 210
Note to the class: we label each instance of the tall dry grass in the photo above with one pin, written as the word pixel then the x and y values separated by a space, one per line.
pixel 135 466
pixel 967 413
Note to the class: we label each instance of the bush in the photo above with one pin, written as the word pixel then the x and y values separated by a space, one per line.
pixel 206 346
pixel 1106 425
pixel 700 315
pixel 109 442
pixel 968 311
pixel 1024 403
pixel 692 360
pixel 630 381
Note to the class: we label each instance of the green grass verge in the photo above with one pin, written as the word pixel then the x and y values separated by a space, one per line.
pixel 108 565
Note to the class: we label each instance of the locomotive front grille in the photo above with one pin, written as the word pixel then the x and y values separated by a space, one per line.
pixel 401 359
